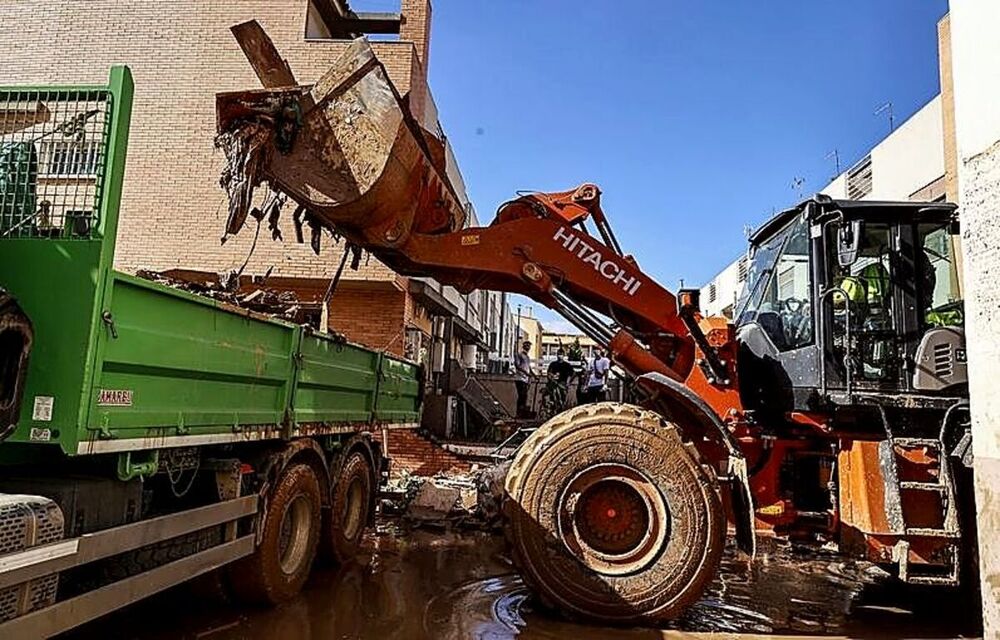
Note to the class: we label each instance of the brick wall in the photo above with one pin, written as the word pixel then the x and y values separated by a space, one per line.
pixel 416 27
pixel 182 53
pixel 374 317
pixel 415 454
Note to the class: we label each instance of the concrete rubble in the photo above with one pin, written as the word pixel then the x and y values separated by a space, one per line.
pixel 452 499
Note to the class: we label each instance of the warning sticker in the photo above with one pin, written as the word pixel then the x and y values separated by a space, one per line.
pixel 42 410
pixel 115 398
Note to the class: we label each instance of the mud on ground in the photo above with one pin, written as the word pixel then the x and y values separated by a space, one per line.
pixel 414 584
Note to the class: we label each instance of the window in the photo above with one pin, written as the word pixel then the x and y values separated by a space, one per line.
pixel 863 306
pixel 70 158
pixel 711 292
pixel 937 273
pixel 786 283
pixel 859 179
pixel 779 292
pixel 741 269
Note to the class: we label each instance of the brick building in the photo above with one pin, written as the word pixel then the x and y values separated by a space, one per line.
pixel 181 54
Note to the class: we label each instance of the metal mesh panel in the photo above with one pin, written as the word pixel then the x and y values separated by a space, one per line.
pixel 25 522
pixel 13 527
pixel 53 149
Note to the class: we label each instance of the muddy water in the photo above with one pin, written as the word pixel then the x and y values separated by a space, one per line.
pixel 426 585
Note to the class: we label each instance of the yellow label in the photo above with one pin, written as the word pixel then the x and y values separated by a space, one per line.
pixel 470 240
pixel 775 509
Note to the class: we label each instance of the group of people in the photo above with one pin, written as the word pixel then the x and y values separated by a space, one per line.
pixel 593 380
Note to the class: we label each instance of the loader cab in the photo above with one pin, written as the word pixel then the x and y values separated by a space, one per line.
pixel 851 298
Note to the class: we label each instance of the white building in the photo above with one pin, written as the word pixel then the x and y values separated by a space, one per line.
pixel 909 164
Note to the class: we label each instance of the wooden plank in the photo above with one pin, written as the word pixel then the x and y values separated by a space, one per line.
pixel 272 70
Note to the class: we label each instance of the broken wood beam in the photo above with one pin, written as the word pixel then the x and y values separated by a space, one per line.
pixel 272 70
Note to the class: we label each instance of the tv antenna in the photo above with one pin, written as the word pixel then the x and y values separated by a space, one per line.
pixel 797 183
pixel 887 108
pixel 835 156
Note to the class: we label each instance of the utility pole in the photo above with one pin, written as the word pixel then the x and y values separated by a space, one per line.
pixel 887 108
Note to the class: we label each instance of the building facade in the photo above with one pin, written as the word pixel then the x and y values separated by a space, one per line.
pixel 973 69
pixel 181 54
pixel 916 161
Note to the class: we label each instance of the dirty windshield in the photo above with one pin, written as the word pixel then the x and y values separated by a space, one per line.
pixel 762 259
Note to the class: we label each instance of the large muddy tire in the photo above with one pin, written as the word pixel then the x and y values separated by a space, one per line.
pixel 350 510
pixel 276 571
pixel 612 517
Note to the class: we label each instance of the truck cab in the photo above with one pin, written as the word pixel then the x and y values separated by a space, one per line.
pixel 851 299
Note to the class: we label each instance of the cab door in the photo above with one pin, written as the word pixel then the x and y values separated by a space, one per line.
pixel 860 298
pixel 776 328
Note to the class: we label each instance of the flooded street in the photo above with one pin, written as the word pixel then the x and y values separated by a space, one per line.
pixel 428 585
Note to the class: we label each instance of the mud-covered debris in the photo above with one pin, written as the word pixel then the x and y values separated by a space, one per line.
pixel 490 492
pixel 280 304
pixel 246 149
pixel 434 502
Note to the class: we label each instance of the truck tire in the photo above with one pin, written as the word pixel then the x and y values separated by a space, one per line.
pixel 350 509
pixel 276 571
pixel 611 516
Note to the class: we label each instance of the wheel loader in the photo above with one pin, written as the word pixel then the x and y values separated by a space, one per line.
pixel 832 407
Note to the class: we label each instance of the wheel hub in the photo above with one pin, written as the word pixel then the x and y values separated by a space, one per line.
pixel 614 519
pixel 293 534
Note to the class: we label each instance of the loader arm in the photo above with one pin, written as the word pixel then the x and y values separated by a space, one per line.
pixel 349 152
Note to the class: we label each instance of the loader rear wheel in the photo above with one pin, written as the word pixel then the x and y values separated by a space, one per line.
pixel 612 517
pixel 350 508
pixel 276 571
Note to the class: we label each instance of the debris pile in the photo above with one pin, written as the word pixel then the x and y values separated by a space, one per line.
pixel 449 500
pixel 281 304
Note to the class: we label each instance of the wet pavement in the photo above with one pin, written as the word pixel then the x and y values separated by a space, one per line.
pixel 430 585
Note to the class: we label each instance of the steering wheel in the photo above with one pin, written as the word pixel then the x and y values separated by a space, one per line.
pixel 794 305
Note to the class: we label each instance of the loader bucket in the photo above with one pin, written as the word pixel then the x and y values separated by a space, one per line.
pixel 347 149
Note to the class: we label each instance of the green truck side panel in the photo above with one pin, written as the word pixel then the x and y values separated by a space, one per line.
pixel 336 382
pixel 56 283
pixel 188 365
pixel 399 391
pixel 125 359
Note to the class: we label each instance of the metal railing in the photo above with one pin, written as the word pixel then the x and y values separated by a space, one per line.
pixel 53 158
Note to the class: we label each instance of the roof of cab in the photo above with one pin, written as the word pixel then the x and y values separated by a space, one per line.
pixel 888 210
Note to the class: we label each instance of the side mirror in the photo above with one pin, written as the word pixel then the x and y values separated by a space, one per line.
pixel 848 242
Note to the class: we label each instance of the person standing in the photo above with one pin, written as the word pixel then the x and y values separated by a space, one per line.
pixel 522 377
pixel 597 378
pixel 559 374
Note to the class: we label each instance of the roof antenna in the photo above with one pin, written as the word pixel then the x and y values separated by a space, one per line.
pixel 887 107
pixel 835 155
pixel 797 183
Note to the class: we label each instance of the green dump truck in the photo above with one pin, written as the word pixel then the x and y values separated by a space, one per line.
pixel 151 435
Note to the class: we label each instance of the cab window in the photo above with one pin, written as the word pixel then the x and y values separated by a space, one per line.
pixel 778 288
pixel 937 285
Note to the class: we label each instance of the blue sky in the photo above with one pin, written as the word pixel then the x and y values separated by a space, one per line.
pixel 693 117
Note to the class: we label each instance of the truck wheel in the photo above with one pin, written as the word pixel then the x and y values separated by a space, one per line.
pixel 612 517
pixel 276 571
pixel 350 507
